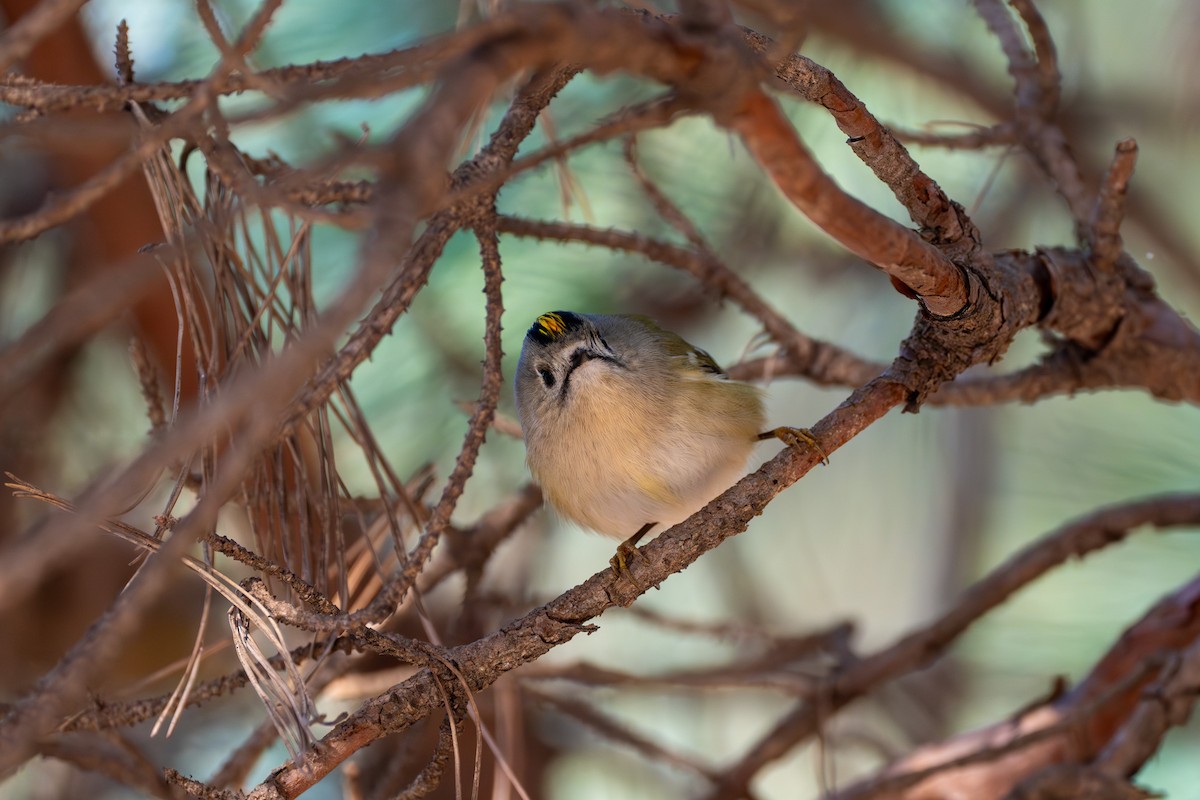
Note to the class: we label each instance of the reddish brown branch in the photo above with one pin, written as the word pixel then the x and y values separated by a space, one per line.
pixel 927 204
pixel 1165 704
pixel 861 229
pixel 1021 62
pixel 858 25
pixel 1119 334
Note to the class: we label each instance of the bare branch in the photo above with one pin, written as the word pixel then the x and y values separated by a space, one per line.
pixel 72 320
pixel 1036 101
pixel 825 363
pixel 1076 539
pixel 21 36
pixel 1109 210
pixel 876 146
pixel 896 250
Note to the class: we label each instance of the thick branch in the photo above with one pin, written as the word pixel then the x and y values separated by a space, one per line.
pixel 861 229
pixel 927 204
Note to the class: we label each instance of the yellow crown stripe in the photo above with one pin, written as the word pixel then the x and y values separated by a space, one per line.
pixel 552 325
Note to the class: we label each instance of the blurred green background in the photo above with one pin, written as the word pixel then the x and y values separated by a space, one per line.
pixel 907 514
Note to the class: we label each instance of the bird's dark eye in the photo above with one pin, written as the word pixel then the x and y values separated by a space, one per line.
pixel 547 377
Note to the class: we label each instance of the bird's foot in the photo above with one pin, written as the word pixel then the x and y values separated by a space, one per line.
pixel 626 552
pixel 795 437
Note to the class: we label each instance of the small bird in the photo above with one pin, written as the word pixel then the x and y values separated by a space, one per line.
pixel 628 427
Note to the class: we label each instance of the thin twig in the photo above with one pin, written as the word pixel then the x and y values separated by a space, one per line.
pixel 644 746
pixel 1049 78
pixel 1035 106
pixel 977 138
pixel 823 362
pixel 1109 210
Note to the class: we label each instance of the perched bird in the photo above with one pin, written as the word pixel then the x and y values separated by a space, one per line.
pixel 628 427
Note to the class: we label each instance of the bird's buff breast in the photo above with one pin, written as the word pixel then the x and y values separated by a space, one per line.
pixel 607 469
